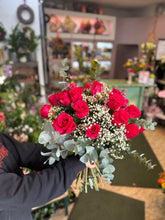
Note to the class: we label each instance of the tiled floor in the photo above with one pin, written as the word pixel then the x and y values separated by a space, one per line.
pixel 154 198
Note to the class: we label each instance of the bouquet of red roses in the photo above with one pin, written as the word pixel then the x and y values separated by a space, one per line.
pixel 94 122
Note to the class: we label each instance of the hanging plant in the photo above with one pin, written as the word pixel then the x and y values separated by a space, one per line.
pixel 2 32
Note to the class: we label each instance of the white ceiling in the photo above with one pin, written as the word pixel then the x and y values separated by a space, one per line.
pixel 124 3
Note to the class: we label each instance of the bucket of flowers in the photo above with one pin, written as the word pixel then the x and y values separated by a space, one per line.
pixel 94 122
pixel 161 181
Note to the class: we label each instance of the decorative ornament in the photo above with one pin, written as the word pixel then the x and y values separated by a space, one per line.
pixel 54 23
pixel 58 43
pixel 20 12
pixel 85 27
pixel 99 26
pixel 68 25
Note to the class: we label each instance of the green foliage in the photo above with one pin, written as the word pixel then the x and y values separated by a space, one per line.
pixel 22 119
pixel 22 41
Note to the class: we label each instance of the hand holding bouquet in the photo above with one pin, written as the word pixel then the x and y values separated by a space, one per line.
pixel 94 122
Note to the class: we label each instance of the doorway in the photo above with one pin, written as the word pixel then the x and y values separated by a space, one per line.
pixel 123 53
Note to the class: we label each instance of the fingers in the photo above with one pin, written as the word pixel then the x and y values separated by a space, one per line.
pixel 89 165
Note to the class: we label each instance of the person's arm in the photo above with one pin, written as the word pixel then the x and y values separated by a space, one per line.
pixel 36 189
pixel 29 153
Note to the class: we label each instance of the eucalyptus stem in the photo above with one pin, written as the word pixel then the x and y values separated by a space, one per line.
pixel 95 179
pixel 78 179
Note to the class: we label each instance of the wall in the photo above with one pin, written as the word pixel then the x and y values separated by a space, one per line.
pixel 136 31
pixel 8 17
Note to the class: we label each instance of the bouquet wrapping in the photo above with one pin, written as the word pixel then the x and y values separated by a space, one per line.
pixel 94 122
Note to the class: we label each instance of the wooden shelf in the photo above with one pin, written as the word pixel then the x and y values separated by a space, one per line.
pixel 31 64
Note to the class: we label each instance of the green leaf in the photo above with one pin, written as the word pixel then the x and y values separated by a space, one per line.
pixel 84 158
pixel 64 61
pixel 51 160
pixel 90 183
pixel 109 169
pixel 64 154
pixel 58 152
pixel 69 145
pixel 44 137
pixel 51 146
pixel 45 154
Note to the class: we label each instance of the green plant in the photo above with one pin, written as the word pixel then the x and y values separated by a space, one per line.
pixel 22 41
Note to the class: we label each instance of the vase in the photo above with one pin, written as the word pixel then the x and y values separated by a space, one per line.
pixel 13 56
pixel 130 76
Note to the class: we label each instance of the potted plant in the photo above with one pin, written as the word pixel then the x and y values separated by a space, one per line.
pixel 21 43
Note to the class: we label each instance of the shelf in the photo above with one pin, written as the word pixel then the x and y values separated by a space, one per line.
pixel 31 64
pixel 81 36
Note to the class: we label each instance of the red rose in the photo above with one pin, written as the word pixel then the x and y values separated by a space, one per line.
pixel 61 98
pixel 2 116
pixel 64 98
pixel 44 111
pixel 76 94
pixel 96 87
pixel 142 129
pixel 132 131
pixel 87 86
pixel 125 103
pixel 120 117
pixel 53 99
pixel 116 91
pixel 64 124
pixel 115 101
pixel 81 108
pixel 71 85
pixel 93 131
pixel 133 111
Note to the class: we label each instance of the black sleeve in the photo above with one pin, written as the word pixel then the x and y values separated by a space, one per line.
pixel 36 189
pixel 29 153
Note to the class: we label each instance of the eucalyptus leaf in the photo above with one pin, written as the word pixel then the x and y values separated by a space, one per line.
pixel 51 146
pixel 44 137
pixel 51 160
pixel 90 183
pixel 109 169
pixel 85 158
pixel 45 154
pixel 64 154
pixel 69 145
pixel 58 152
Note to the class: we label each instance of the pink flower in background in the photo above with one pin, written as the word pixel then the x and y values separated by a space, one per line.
pixel 75 94
pixel 81 108
pixel 133 111
pixel 71 85
pixel 120 117
pixel 132 131
pixel 64 124
pixel 161 94
pixel 93 131
pixel 45 111
pixel 96 87
pixel 2 116
pixel 33 110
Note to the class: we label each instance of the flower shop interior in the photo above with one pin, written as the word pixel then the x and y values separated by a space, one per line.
pixel 46 45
